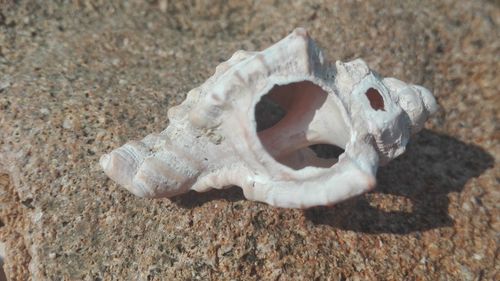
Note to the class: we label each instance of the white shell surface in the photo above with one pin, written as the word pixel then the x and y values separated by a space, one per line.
pixel 212 139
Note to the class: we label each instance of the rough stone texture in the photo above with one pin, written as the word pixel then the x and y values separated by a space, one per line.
pixel 78 79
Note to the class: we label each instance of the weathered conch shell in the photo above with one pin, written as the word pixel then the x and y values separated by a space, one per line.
pixel 212 140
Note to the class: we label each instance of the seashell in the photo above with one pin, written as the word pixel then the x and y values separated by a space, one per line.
pixel 212 139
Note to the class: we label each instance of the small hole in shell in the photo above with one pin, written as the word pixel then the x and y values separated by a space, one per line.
pixel 327 151
pixel 376 99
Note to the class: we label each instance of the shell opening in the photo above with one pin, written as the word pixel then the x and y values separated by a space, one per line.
pixel 294 124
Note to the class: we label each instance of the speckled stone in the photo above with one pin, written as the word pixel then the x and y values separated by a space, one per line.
pixel 81 78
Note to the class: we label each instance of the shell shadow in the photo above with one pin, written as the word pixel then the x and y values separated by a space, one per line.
pixel 433 166
pixel 194 199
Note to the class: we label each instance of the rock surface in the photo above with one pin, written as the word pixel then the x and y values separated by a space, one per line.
pixel 81 78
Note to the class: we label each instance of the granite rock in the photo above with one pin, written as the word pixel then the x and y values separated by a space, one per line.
pixel 78 79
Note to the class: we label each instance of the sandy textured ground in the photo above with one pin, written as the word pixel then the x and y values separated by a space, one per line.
pixel 79 79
